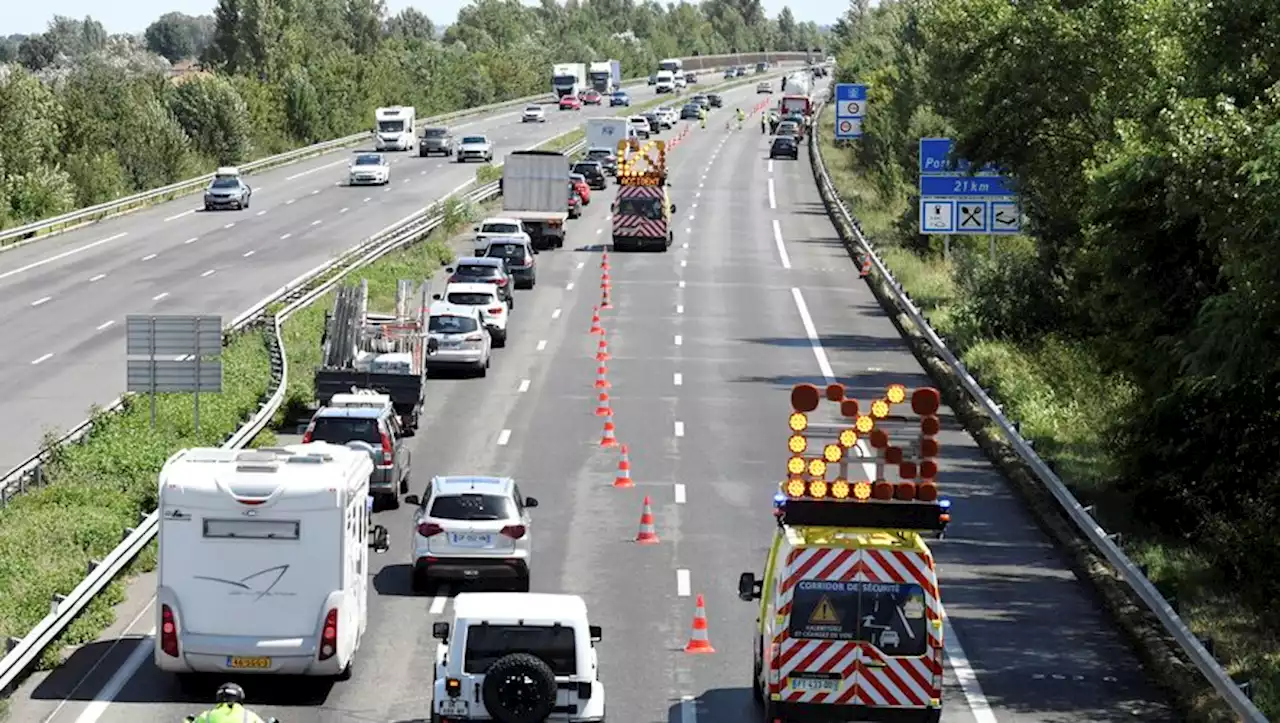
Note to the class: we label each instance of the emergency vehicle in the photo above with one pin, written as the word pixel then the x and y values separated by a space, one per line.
pixel 850 621
pixel 642 211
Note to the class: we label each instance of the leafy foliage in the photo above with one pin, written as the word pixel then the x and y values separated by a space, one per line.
pixel 104 118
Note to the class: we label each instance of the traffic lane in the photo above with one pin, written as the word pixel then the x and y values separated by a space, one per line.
pixel 1034 634
pixel 459 435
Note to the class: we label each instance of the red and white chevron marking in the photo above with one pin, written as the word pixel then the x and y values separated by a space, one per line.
pixel 638 226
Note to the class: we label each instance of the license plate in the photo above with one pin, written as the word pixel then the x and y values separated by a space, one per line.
pixel 452 706
pixel 814 684
pixel 450 344
pixel 248 663
pixel 467 539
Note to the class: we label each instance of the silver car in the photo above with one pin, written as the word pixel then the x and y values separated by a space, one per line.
pixel 369 168
pixel 457 338
pixel 227 192
pixel 475 148
pixel 471 528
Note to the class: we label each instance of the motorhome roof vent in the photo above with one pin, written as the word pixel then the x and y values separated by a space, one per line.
pixel 256 468
pixel 257 456
pixel 312 458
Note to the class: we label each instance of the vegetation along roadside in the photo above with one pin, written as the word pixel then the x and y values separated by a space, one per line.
pixel 1129 332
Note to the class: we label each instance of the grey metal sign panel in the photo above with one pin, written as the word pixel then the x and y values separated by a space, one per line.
pixel 175 335
pixel 173 376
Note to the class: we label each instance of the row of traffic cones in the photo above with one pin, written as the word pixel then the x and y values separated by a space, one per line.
pixel 679 137
pixel 699 639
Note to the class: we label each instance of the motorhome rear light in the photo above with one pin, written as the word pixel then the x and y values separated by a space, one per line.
pixel 329 636
pixel 388 452
pixel 429 529
pixel 515 532
pixel 168 632
pixel 495 310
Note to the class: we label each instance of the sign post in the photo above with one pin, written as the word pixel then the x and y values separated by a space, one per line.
pixel 851 108
pixel 170 354
pixel 955 203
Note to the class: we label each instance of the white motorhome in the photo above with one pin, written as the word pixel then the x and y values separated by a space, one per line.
pixel 264 560
pixel 393 129
pixel 674 66
pixel 666 82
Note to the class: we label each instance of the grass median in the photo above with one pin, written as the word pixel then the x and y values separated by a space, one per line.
pixel 1057 393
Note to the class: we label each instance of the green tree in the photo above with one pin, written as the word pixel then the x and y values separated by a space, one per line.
pixel 214 117
pixel 178 36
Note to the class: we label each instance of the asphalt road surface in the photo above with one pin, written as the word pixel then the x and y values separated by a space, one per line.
pixel 706 342
pixel 63 300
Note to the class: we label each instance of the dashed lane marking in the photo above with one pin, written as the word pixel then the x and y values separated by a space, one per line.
pixel 524 386
pixel 105 324
pixel 677 379
pixel 555 314
pixel 439 601
pixel 208 273
pixel 42 359
pixel 679 428
pixel 191 240
pixel 177 216
pixel 148 257
pixel 160 296
pixel 683 585
pixel 782 249
pixel 679 340
pixel 42 300
pixel 680 494
pixel 99 277
pixel 773 199
pixel 542 344
pixel 247 254
pixel 503 437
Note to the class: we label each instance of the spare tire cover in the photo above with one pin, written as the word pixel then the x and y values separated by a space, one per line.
pixel 519 688
pixel 365 447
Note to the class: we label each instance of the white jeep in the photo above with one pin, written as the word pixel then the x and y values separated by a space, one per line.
pixel 517 658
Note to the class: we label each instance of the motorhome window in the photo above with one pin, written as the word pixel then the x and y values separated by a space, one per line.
pixel 452 325
pixel 650 208
pixel 500 228
pixel 467 298
pixel 890 616
pixel 391 126
pixel 216 529
pixel 553 645
pixel 340 430
pixel 471 507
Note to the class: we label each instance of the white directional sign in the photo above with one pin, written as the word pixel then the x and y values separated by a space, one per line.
pixel 937 216
pixel 851 108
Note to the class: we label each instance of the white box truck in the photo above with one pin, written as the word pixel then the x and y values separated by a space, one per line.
pixel 535 191
pixel 568 78
pixel 608 132
pixel 393 128
pixel 606 76
pixel 264 560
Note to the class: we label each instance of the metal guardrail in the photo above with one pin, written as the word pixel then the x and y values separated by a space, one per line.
pixel 80 217
pixel 1079 515
pixel 291 298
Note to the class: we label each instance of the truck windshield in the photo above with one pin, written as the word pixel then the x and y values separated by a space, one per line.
pixel 650 208
pixel 565 79
pixel 340 430
pixel 391 126
pixel 554 645
pixel 890 616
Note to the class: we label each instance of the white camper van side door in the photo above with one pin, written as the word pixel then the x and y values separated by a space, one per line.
pixel 356 560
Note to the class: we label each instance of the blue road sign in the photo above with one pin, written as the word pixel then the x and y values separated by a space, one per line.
pixel 851 108
pixel 935 157
pixel 954 202
pixel 962 184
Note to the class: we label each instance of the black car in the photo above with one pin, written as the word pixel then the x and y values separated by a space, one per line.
pixel 716 100
pixel 785 147
pixel 605 157
pixel 484 270
pixel 518 256
pixel 654 122
pixel 690 111
pixel 593 172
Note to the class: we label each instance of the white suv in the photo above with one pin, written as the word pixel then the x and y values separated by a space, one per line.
pixel 471 528
pixel 484 297
pixel 457 337
pixel 513 657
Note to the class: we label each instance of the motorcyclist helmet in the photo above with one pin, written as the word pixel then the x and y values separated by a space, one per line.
pixel 230 693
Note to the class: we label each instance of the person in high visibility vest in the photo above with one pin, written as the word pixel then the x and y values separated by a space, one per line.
pixel 764 123
pixel 702 117
pixel 229 708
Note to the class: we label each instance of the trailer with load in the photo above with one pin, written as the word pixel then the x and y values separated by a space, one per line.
pixel 534 186
pixel 642 211
pixel 384 353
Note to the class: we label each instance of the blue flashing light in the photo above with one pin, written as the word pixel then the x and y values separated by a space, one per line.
pixel 944 503
pixel 779 499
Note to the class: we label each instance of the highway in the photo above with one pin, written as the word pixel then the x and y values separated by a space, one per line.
pixel 63 300
pixel 756 294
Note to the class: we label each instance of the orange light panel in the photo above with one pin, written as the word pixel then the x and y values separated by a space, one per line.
pixel 835 392
pixel 882 490
pixel 818 488
pixel 840 489
pixel 795 465
pixel 848 438
pixel 925 401
pixel 905 491
pixel 864 425
pixel 861 490
pixel 930 426
pixel 849 408
pixel 798 422
pixel 893 455
pixel 879 409
pixel 817 468
pixel 795 488
pixel 805 397
pixel 929 447
pixel 927 492
pixel 896 394
pixel 928 469
pixel 797 444
pixel 832 453
pixel 879 439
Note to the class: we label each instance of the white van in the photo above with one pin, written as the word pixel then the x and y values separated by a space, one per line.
pixel 666 82
pixel 263 560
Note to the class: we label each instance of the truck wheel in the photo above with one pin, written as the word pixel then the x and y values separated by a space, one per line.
pixel 519 688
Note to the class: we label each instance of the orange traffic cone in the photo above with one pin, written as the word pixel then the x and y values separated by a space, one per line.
pixel 602 350
pixel 624 471
pixel 648 535
pixel 604 299
pixel 604 260
pixel 605 281
pixel 609 439
pixel 602 377
pixel 699 642
pixel 602 404
pixel 595 321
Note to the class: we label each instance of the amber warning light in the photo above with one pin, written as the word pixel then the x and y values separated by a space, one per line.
pixel 830 462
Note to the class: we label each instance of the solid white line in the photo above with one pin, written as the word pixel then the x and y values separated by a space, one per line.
pixel 191 240
pixel 542 344
pixel 679 429
pixel 315 192
pixel 439 601
pixel 247 254
pixel 158 297
pixel 148 257
pixel 285 236
pixel 677 379
pixel 824 365
pixel 688 710
pixel 208 273
pixel 770 165
pixel 290 201
pixel 177 216
pixel 773 200
pixel 680 494
pixel 684 245
pixel 313 170
pixel 555 314
pixel 782 248
pixel 683 585
pixel 109 692
pixel 367 200
pixel 503 437
pixel 968 679
pixel 63 255
pixel 44 358
pixel 40 301
pixel 679 340
pixel 524 386
pixel 230 225
pixel 99 277
pixel 105 324
pixel 568 286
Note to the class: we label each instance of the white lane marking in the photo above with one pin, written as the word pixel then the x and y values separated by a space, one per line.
pixel 177 216
pixel 110 691
pixel 423 173
pixel 679 340
pixel 542 344
pixel 682 283
pixel 555 314
pixel 677 379
pixel 315 192
pixel 684 245
pixel 59 257
pixel 208 273
pixel 191 240
pixel 44 358
pixel 679 429
pixel 159 297
pixel 782 249
pixel 773 199
pixel 599 231
pixel 313 170
pixel 695 205
pixel 230 225
pixel 568 286
pixel 683 585
pixel 247 254
pixel 524 386
pixel 680 494
pixel 290 201
pixel 316 222
pixel 367 200
pixel 503 437
pixel 148 257
pixel 679 308
pixel 581 264
pixel 285 236
pixel 688 710
pixel 683 263
pixel 262 213
pixel 99 277
pixel 105 324
pixel 688 229
pixel 42 300
pixel 344 209
pixel 968 680
pixel 439 601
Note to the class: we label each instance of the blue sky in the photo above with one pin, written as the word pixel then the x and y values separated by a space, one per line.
pixel 134 16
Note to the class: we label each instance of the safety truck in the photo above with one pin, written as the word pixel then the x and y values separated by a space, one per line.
pixel 568 79
pixel 642 210
pixel 605 76
pixel 534 186
pixel 393 129
pixel 850 618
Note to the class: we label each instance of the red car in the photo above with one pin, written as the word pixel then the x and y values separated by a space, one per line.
pixel 575 203
pixel 591 97
pixel 570 102
pixel 580 186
